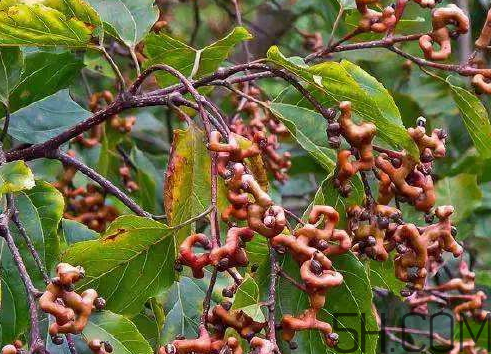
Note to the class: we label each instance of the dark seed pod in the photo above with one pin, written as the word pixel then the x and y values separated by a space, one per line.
pixel 316 267
pixel 406 292
pixel 401 248
pixel 427 156
pixel 371 241
pixel 178 266
pixel 383 222
pixel 396 162
pixel 227 305
pixel 227 292
pixel 57 340
pixel 293 345
pixel 333 129
pixel 322 245
pixel 334 142
pixel 99 303
pixel 108 347
pixel 429 217
pixel 223 264
pixel 170 349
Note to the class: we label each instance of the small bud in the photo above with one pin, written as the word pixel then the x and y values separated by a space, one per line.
pixel 442 134
pixel 254 268
pixel 332 339
pixel 346 190
pixel 269 221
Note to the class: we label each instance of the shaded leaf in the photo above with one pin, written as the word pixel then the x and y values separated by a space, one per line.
pixel 247 299
pixel 462 192
pixel 47 118
pixel 304 125
pixel 382 275
pixel 44 74
pixel 12 62
pixel 74 231
pixel 163 49
pixel 183 309
pixel 333 83
pixel 128 20
pixel 40 211
pixel 117 330
pixel 131 262
pixel 475 119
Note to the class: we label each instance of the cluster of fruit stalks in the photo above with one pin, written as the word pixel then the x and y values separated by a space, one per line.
pixel 374 230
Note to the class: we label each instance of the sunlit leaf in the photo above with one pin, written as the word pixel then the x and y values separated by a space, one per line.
pixel 131 262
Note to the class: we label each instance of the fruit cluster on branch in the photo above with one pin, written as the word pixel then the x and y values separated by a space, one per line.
pixel 70 310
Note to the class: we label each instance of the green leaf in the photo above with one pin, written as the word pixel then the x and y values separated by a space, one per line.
pixel 15 176
pixel 128 20
pixel 117 330
pixel 131 262
pixel 462 192
pixel 163 49
pixel 382 275
pixel 334 83
pixel 183 308
pixel 475 119
pixel 40 211
pixel 12 62
pixel 53 115
pixel 376 91
pixel 44 74
pixel 188 180
pixel 247 299
pixel 31 24
pixel 304 125
pixel 74 231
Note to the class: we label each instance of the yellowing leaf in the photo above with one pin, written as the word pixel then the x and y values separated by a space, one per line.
pixel 39 25
pixel 15 176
